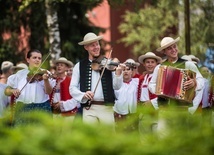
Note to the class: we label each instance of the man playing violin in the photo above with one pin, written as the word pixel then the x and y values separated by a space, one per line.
pixel 30 95
pixel 94 94
pixel 61 101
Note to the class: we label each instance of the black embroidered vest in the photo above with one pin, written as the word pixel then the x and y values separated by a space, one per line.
pixel 85 81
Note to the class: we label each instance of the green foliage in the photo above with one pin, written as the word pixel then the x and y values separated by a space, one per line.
pixel 30 14
pixel 8 48
pixel 201 26
pixel 89 3
pixel 136 4
pixel 185 135
pixel 144 29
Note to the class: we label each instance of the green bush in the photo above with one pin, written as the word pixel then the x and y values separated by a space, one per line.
pixel 184 135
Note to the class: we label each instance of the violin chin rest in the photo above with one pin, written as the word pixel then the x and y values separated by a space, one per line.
pixel 95 66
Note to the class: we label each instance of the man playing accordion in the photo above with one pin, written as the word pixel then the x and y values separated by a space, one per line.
pixel 170 50
pixel 170 106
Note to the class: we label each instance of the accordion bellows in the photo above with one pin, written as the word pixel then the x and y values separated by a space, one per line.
pixel 170 83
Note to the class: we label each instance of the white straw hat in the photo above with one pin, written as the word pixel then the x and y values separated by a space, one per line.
pixel 131 61
pixel 166 42
pixel 20 66
pixel 6 64
pixel 186 57
pixel 64 60
pixel 150 55
pixel 194 58
pixel 89 38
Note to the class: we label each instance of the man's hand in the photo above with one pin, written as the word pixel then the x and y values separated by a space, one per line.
pixel 89 95
pixel 190 83
pixel 56 107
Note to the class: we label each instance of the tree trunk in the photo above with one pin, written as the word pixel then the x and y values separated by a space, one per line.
pixel 53 30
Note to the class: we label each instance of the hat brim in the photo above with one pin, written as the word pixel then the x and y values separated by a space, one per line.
pixel 136 64
pixel 15 67
pixel 90 41
pixel 69 64
pixel 167 45
pixel 195 59
pixel 143 57
pixel 20 66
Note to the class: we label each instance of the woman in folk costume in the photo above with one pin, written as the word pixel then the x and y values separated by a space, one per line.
pixel 61 101
pixel 31 90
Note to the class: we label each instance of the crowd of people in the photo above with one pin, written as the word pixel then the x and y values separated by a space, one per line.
pixel 104 95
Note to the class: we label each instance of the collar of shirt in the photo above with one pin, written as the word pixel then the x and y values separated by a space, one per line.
pixel 128 81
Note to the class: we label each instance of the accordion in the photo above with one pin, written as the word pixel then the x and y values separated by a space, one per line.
pixel 170 83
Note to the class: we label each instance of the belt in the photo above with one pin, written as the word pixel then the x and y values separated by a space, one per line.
pixel 66 113
pixel 98 102
pixel 69 113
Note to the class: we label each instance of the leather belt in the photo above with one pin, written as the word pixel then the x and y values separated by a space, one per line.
pixel 66 113
pixel 98 102
pixel 69 113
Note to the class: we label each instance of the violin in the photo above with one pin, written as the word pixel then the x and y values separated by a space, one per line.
pixel 33 76
pixel 99 64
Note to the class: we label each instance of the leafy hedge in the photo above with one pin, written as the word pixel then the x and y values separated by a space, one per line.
pixel 48 136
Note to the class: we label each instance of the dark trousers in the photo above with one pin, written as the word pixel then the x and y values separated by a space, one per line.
pixel 23 111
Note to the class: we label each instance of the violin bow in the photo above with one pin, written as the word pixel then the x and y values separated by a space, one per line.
pixel 89 101
pixel 13 98
pixel 36 70
pixel 103 71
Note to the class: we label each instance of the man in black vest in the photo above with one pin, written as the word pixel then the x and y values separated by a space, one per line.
pixel 95 95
